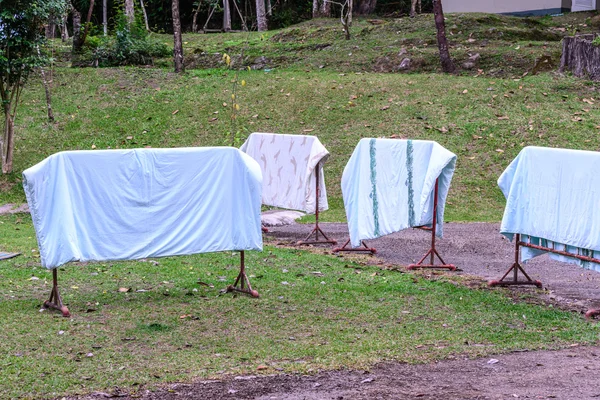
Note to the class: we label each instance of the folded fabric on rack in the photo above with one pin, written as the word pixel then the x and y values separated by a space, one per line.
pixel 388 185
pixel 288 164
pixel 553 196
pixel 132 204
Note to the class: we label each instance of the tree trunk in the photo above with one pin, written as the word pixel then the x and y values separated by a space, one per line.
pixel 347 18
pixel 438 14
pixel 365 7
pixel 47 90
pixel 104 17
pixel 178 44
pixel 413 8
pixel 195 18
pixel 350 12
pixel 261 16
pixel 315 9
pixel 77 34
pixel 50 28
pixel 226 16
pixel 269 8
pixel 86 28
pixel 129 12
pixel 64 32
pixel 581 57
pixel 7 142
pixel 325 10
pixel 145 15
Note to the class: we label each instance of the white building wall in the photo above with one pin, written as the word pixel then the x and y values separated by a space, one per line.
pixel 499 6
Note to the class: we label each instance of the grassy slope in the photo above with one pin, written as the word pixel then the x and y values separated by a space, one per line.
pixel 485 121
pixel 324 85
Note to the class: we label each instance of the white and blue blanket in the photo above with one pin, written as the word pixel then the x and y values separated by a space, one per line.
pixel 553 200
pixel 388 185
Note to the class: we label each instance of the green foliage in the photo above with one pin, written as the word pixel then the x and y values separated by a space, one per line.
pixel 21 24
pixel 596 41
pixel 289 13
pixel 400 7
pixel 131 45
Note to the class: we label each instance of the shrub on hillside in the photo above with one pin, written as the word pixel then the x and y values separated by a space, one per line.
pixel 129 46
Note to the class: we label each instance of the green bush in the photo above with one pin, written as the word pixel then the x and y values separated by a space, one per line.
pixel 131 45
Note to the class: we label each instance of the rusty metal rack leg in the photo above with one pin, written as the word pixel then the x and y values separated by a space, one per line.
pixel 432 253
pixel 242 280
pixel 515 268
pixel 592 313
pixel 55 301
pixel 365 248
pixel 316 230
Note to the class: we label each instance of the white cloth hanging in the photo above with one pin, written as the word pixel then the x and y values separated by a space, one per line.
pixel 553 196
pixel 388 185
pixel 289 167
pixel 131 204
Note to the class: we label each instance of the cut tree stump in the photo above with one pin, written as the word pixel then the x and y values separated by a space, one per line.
pixel 581 57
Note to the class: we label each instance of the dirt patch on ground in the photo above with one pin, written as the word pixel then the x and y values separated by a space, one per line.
pixel 480 253
pixel 566 374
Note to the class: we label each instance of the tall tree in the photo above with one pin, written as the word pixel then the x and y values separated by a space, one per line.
pixel 226 16
pixel 80 31
pixel 438 14
pixel 77 31
pixel 315 9
pixel 195 16
pixel 178 44
pixel 261 16
pixel 64 32
pixel 413 8
pixel 129 12
pixel 325 10
pixel 346 18
pixel 145 15
pixel 104 17
pixel 21 31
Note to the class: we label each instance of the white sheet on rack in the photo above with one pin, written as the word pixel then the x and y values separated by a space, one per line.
pixel 553 196
pixel 132 204
pixel 388 185
pixel 288 164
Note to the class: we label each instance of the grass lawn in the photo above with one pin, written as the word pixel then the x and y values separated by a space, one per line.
pixel 316 311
